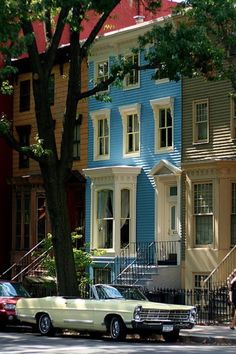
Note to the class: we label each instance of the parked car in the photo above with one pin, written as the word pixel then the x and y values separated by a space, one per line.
pixel 10 293
pixel 107 311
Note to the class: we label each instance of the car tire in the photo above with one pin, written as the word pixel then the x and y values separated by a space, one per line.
pixel 171 337
pixel 45 326
pixel 117 329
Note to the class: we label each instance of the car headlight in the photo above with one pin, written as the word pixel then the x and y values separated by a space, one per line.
pixel 9 306
pixel 193 315
pixel 137 313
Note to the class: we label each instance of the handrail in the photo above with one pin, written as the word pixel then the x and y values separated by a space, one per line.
pixel 219 265
pixel 20 261
pixel 40 257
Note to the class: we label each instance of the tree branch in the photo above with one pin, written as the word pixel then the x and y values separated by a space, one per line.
pixel 96 29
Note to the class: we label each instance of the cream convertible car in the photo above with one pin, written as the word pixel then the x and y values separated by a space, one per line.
pixel 107 311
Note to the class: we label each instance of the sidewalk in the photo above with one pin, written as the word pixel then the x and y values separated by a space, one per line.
pixel 209 334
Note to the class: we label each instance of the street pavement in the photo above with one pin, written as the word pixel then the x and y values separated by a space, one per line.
pixel 209 335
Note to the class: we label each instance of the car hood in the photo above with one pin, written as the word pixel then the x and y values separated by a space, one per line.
pixel 153 305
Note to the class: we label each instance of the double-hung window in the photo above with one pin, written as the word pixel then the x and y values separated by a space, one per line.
pixel 101 125
pixel 132 78
pixel 201 121
pixel 233 215
pixel 233 117
pixel 24 140
pixel 76 141
pixel 102 70
pixel 131 129
pixel 24 96
pixel 105 218
pixel 163 109
pixel 203 213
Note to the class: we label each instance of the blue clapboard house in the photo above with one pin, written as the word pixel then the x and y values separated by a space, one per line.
pixel 133 177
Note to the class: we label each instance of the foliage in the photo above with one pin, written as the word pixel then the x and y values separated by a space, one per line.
pixel 82 257
pixel 195 41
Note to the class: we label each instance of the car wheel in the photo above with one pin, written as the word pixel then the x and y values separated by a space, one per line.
pixel 117 329
pixel 45 326
pixel 171 337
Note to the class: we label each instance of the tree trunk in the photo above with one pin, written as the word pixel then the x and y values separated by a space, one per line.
pixel 61 234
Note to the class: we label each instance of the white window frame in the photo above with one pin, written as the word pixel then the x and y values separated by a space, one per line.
pixel 125 111
pixel 157 105
pixel 96 117
pixel 201 212
pixel 97 77
pixel 115 178
pixel 233 118
pixel 196 124
pixel 126 84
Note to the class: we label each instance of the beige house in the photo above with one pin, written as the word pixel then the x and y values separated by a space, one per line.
pixel 209 181
pixel 30 221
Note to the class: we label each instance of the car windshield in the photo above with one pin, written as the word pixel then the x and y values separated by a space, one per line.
pixel 8 289
pixel 108 292
pixel 131 293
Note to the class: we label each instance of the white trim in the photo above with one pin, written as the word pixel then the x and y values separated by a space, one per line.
pixel 124 111
pixel 114 178
pixel 156 104
pixel 95 116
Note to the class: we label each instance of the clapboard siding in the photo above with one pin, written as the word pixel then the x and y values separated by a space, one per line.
pixel 148 90
pixel 28 118
pixel 220 144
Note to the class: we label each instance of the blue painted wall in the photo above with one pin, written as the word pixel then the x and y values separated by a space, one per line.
pixel 147 91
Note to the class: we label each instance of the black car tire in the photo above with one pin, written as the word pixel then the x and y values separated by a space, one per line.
pixel 171 337
pixel 45 326
pixel 117 329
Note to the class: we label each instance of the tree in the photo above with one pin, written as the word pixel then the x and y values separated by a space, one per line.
pixel 197 40
pixel 16 37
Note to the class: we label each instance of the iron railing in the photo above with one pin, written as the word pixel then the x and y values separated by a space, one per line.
pixel 137 259
pixel 213 306
pixel 219 274
pixel 29 262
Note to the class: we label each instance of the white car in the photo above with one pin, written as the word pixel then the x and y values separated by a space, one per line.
pixel 106 311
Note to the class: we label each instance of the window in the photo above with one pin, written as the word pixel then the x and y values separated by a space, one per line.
pixel 22 217
pixel 41 225
pixel 76 142
pixel 105 218
pixel 203 213
pixel 233 118
pixel 101 124
pixel 161 75
pixel 131 129
pixel 24 95
pixel 163 109
pixel 51 89
pixel 113 208
pixel 101 71
pixel 132 78
pixel 233 215
pixel 125 218
pixel 200 121
pixel 24 140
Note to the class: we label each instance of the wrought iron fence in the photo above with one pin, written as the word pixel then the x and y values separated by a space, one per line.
pixel 212 305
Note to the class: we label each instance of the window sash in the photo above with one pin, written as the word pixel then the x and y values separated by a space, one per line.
pixel 24 96
pixel 201 121
pixel 102 71
pixel 165 128
pixel 103 137
pixel 132 133
pixel 132 78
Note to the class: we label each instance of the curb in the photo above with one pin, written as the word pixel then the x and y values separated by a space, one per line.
pixel 206 339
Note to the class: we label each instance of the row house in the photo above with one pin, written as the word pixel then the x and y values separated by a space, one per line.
pixel 5 190
pixel 209 181
pixel 30 220
pixel 133 199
